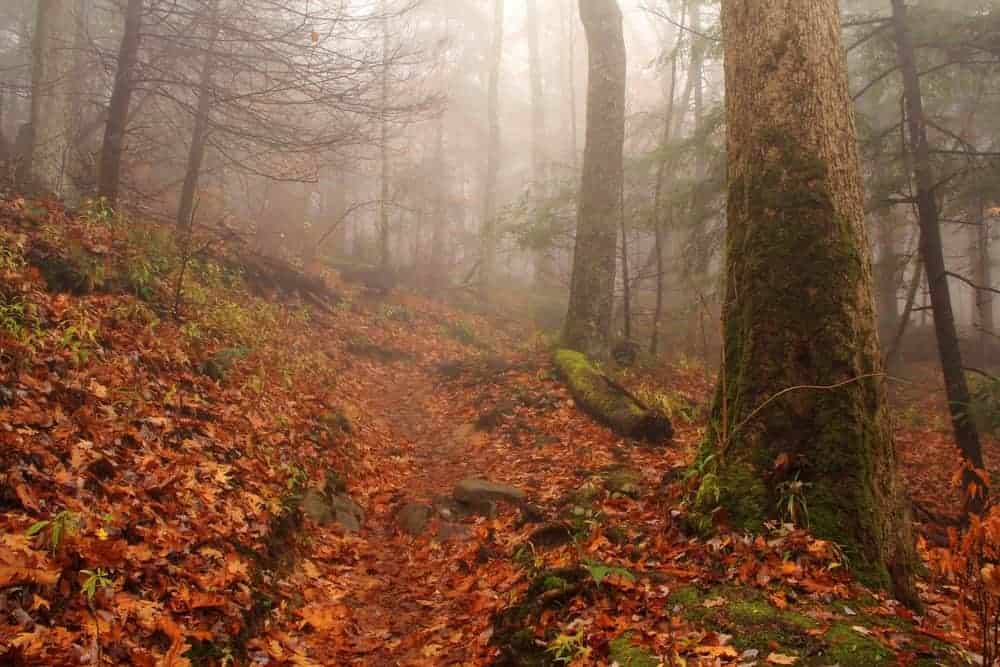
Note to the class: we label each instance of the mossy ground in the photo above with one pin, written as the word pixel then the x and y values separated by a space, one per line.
pixel 814 633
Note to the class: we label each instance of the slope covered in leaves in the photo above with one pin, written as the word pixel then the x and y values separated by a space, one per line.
pixel 159 439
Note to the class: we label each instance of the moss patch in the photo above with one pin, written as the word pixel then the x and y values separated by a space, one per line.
pixel 627 654
pixel 790 217
pixel 604 400
pixel 850 648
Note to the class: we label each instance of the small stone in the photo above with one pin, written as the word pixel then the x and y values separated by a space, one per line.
pixel 339 508
pixel 342 504
pixel 551 536
pixel 447 532
pixel 316 507
pixel 414 517
pixel 350 522
pixel 472 490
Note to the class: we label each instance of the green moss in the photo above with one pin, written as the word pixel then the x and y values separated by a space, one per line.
pixel 554 583
pixel 757 611
pixel 816 329
pixel 626 654
pixel 606 402
pixel 688 596
pixel 622 480
pixel 850 648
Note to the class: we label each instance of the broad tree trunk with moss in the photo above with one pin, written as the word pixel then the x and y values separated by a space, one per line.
pixel 588 322
pixel 800 411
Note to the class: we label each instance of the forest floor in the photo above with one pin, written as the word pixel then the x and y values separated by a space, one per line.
pixel 250 482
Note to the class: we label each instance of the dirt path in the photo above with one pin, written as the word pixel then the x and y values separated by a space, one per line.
pixel 404 600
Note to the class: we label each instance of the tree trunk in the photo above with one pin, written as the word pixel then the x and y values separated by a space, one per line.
pixel 626 285
pixel 51 91
pixel 488 232
pixel 983 277
pixel 569 53
pixel 109 170
pixel 438 269
pixel 892 355
pixel 383 200
pixel 199 137
pixel 659 224
pixel 588 322
pixel 887 273
pixel 539 161
pixel 802 392
pixel 931 249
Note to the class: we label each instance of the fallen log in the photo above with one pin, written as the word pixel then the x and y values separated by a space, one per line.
pixel 609 402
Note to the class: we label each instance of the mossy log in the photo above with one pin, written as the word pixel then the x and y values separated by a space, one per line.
pixel 609 402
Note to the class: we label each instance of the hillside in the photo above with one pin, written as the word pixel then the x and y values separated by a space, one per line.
pixel 211 471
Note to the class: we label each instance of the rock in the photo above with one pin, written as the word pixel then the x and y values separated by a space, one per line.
pixel 347 512
pixel 447 532
pixel 334 483
pixel 551 536
pixel 339 508
pixel 492 418
pixel 623 480
pixel 316 507
pixel 414 517
pixel 531 513
pixel 472 491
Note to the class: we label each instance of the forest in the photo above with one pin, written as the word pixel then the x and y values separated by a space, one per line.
pixel 531 333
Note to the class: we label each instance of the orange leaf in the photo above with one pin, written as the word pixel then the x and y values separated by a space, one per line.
pixel 10 576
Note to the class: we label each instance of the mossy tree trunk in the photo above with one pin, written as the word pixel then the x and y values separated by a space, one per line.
pixel 798 309
pixel 588 322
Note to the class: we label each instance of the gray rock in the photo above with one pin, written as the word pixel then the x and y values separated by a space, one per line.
pixel 448 532
pixel 316 507
pixel 623 480
pixel 340 509
pixel 347 512
pixel 551 536
pixel 475 491
pixel 414 517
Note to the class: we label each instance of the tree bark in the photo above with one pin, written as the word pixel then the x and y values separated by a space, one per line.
pixel 887 273
pixel 801 394
pixel 539 160
pixel 199 136
pixel 438 264
pixel 659 226
pixel 52 114
pixel 931 249
pixel 109 170
pixel 384 253
pixel 588 322
pixel 488 231
pixel 982 276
